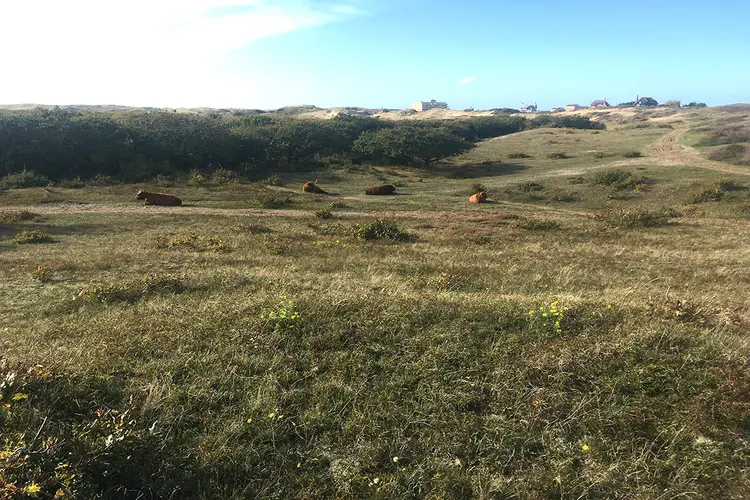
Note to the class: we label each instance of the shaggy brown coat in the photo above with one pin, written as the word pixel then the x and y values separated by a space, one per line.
pixel 310 187
pixel 169 200
pixel 386 189
pixel 478 198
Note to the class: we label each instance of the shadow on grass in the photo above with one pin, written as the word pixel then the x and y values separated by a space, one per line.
pixel 480 170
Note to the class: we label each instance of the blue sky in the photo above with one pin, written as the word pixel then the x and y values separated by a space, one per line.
pixel 374 53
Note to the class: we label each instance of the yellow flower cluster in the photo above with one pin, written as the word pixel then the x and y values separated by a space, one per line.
pixel 552 315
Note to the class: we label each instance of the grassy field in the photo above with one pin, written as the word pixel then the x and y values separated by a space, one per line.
pixel 584 335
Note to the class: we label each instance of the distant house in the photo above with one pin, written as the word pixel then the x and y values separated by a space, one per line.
pixel 601 104
pixel 528 108
pixel 428 105
pixel 572 107
pixel 646 102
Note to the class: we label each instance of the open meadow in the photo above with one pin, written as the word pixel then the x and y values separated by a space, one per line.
pixel 582 335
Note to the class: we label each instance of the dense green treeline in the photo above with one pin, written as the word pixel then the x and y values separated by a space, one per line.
pixel 134 146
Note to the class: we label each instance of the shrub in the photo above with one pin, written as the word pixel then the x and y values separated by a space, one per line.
pixel 477 188
pixel 382 229
pixel 16 216
pixel 734 153
pixel 538 224
pixel 196 178
pixel 632 154
pixel 273 180
pixel 23 179
pixel 528 187
pixel 224 176
pixel 622 218
pixel 32 237
pixel 557 156
pixel 714 191
pixel 323 213
pixel 102 180
pixel 76 183
pixel 619 180
pixel 41 274
pixel 600 154
pixel 518 155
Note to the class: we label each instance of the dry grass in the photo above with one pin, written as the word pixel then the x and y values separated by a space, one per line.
pixel 308 362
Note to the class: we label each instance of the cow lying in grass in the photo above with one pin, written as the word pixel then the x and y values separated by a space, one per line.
pixel 168 200
pixel 478 198
pixel 310 187
pixel 386 189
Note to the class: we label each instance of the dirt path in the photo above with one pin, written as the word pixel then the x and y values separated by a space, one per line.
pixel 668 151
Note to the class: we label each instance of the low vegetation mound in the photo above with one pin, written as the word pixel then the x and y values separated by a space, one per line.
pixel 382 230
pixel 634 218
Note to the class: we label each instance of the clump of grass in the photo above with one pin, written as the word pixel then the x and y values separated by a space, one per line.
pixel 16 216
pixel 252 229
pixel 558 156
pixel 600 154
pixel 632 154
pixel 382 229
pixel 620 180
pixel 195 242
pixel 330 229
pixel 624 218
pixel 538 224
pixel 31 237
pixel 272 200
pixel 131 291
pixel 518 155
pixel 23 179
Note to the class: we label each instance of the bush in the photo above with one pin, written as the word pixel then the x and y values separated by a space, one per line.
pixel 477 188
pixel 16 216
pixel 557 156
pixel 76 183
pixel 518 155
pixel 23 179
pixel 323 213
pixel 196 178
pixel 620 180
pixel 622 218
pixel 382 229
pixel 733 153
pixel 224 176
pixel 273 180
pixel 32 237
pixel 267 199
pixel 632 154
pixel 600 154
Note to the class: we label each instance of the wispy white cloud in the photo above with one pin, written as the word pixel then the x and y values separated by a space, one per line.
pixel 467 80
pixel 162 52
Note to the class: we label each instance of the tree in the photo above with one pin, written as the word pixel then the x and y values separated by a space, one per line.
pixel 408 144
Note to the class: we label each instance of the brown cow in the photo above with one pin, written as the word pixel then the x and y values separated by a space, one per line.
pixel 168 200
pixel 478 198
pixel 310 187
pixel 386 189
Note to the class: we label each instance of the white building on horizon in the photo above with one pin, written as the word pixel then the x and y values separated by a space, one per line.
pixel 428 105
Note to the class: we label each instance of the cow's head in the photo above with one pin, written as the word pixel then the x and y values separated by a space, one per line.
pixel 140 195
